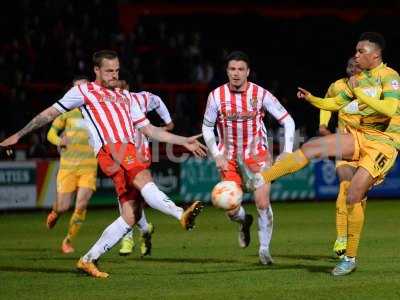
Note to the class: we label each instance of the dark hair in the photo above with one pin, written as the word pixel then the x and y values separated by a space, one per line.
pixel 79 77
pixel 374 37
pixel 103 54
pixel 238 55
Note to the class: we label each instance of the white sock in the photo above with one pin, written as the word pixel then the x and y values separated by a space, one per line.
pixel 239 216
pixel 265 226
pixel 110 236
pixel 158 200
pixel 142 223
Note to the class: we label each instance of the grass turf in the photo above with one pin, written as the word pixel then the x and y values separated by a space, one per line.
pixel 205 263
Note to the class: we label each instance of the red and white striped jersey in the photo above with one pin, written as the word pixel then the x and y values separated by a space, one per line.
pixel 148 102
pixel 239 118
pixel 111 115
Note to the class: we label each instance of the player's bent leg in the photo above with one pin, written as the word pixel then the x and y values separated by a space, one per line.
pixel 60 206
pixel 265 223
pixel 110 236
pixel 160 201
pixel 334 145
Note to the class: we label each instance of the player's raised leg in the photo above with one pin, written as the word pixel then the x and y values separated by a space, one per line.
pixel 333 145
pixel 160 201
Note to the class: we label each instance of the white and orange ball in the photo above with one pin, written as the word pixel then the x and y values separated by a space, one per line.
pixel 227 195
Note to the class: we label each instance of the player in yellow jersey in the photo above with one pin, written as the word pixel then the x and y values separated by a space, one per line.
pixel 77 172
pixel 373 94
pixel 345 169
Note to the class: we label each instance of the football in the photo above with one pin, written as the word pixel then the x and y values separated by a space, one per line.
pixel 227 195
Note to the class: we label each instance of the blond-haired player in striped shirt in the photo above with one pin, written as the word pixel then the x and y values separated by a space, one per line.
pixel 77 172
pixel 112 116
pixel 237 109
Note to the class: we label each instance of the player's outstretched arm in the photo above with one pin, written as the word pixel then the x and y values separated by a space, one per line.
pixel 169 127
pixel 331 104
pixel 386 106
pixel 41 119
pixel 190 143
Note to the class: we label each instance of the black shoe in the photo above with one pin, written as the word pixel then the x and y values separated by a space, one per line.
pixel 244 231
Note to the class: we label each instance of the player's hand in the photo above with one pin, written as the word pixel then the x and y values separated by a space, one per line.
pixel 302 93
pixel 193 145
pixel 221 163
pixel 353 82
pixel 12 140
pixel 323 130
pixel 63 141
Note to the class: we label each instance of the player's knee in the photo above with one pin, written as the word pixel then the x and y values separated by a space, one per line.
pixel 141 179
pixel 129 219
pixel 262 205
pixel 310 150
pixel 354 196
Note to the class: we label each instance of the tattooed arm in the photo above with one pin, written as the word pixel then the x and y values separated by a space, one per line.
pixel 41 119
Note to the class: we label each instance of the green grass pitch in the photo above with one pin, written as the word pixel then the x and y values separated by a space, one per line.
pixel 207 262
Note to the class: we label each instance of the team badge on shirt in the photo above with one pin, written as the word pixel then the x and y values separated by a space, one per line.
pixel 395 84
pixel 253 103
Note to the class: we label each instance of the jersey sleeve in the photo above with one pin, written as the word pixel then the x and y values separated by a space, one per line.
pixel 211 113
pixel 72 99
pixel 57 126
pixel 139 120
pixel 391 86
pixel 273 106
pixel 156 103
pixel 325 115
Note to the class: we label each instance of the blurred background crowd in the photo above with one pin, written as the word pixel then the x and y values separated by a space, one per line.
pixel 177 51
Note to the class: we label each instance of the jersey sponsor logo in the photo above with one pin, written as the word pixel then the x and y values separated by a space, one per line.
pixel 239 116
pixel 371 91
pixel 114 99
pixel 352 107
pixel 395 84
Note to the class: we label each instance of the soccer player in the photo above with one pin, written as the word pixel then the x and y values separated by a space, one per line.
pixel 111 115
pixel 345 169
pixel 374 94
pixel 77 171
pixel 237 108
pixel 147 103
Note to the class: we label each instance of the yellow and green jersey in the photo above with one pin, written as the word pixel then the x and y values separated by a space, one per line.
pixel 340 88
pixel 77 154
pixel 381 82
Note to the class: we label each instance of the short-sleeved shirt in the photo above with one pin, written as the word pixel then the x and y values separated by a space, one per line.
pixel 239 118
pixel 111 115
